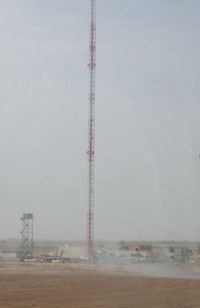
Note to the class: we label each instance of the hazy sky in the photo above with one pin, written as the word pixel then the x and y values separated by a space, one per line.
pixel 147 118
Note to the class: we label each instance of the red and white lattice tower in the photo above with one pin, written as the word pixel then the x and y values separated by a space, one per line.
pixel 91 132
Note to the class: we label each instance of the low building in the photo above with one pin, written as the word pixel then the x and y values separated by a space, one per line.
pixel 70 252
pixel 8 255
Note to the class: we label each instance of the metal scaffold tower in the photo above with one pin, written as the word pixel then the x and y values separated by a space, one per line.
pixel 91 132
pixel 27 235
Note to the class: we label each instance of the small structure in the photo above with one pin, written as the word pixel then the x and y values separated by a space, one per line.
pixel 27 236
pixel 73 253
pixel 7 255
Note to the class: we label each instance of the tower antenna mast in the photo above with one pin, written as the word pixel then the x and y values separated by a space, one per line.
pixel 91 131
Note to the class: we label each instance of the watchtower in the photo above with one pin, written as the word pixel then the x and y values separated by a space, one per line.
pixel 27 235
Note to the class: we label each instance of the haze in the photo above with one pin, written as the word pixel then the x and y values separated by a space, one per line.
pixel 147 118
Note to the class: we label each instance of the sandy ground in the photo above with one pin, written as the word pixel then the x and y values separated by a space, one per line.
pixel 73 286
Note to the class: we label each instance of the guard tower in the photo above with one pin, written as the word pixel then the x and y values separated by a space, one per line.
pixel 27 235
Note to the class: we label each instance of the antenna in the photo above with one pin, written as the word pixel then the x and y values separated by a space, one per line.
pixel 91 131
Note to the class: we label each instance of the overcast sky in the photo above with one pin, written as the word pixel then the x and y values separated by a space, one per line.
pixel 147 118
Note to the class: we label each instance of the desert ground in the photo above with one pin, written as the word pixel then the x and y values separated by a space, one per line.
pixel 45 285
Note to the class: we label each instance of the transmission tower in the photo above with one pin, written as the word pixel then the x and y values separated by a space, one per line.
pixel 27 235
pixel 91 131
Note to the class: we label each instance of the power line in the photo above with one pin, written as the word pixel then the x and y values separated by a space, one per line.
pixel 160 53
pixel 33 59
pixel 195 148
pixel 150 179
